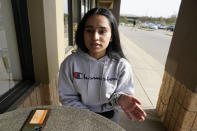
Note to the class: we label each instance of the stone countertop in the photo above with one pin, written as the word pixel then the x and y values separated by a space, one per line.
pixel 61 118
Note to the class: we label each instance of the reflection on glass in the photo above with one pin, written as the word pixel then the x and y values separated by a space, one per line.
pixel 84 7
pixel 10 72
pixel 66 22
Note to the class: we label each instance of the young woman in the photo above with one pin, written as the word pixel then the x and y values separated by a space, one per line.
pixel 97 77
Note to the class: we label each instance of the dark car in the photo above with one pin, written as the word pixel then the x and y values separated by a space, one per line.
pixel 171 28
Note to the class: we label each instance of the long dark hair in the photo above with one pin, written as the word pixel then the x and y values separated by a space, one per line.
pixel 114 45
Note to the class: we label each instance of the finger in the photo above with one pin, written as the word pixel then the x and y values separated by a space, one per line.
pixel 141 111
pixel 128 115
pixel 138 115
pixel 135 100
pixel 141 118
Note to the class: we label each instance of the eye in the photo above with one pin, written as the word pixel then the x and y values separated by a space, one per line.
pixel 88 30
pixel 102 31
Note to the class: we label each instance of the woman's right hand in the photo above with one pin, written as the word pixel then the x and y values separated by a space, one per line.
pixel 130 105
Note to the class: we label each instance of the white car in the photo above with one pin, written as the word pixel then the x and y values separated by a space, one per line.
pixel 144 25
pixel 122 24
pixel 162 26
pixel 152 26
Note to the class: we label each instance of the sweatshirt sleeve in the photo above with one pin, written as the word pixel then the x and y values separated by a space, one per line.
pixel 68 94
pixel 125 83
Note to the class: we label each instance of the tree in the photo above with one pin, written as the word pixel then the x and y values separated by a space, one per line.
pixel 172 19
pixel 123 19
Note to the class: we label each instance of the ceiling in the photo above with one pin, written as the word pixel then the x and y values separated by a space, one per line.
pixel 105 3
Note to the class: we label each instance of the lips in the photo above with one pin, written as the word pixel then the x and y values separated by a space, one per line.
pixel 95 45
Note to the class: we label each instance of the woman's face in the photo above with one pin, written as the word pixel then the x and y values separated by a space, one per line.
pixel 97 35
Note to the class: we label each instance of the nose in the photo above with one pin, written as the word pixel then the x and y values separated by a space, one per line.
pixel 95 35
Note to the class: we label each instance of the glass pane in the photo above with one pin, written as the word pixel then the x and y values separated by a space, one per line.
pixel 10 71
pixel 84 7
pixel 66 22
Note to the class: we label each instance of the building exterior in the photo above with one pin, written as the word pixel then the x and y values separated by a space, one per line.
pixel 130 18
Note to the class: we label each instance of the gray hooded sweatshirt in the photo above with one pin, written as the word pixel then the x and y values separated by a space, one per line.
pixel 88 83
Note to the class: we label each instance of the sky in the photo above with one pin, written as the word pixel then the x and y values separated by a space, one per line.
pixel 154 8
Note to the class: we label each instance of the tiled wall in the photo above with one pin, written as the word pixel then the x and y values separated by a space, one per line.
pixel 43 94
pixel 177 105
pixel 54 95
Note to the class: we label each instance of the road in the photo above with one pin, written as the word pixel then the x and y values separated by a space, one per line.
pixel 155 43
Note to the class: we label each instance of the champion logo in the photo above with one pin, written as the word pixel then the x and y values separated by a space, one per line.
pixel 79 75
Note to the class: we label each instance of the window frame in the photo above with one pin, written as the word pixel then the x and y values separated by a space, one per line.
pixel 70 23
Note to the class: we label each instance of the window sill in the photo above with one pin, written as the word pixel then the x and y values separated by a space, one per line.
pixel 11 99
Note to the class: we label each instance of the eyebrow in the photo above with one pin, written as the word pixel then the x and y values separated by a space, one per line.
pixel 90 26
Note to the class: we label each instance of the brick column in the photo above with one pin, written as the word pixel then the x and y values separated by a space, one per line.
pixel 177 102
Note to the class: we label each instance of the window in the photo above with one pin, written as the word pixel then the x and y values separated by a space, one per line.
pixel 65 21
pixel 10 68
pixel 16 63
pixel 72 16
pixel 85 6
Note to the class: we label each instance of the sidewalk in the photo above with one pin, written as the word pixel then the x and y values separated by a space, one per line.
pixel 148 75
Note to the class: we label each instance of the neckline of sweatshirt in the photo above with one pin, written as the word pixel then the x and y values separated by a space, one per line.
pixel 89 57
pixel 103 60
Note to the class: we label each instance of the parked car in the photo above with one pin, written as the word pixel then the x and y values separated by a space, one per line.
pixel 171 28
pixel 122 23
pixel 162 26
pixel 144 25
pixel 149 25
pixel 152 26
